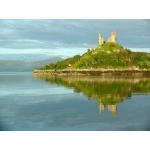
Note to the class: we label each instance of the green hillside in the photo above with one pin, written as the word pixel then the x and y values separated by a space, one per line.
pixel 108 55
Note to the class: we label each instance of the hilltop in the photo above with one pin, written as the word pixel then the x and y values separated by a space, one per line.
pixel 107 55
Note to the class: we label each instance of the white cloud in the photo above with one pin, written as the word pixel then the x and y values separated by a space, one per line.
pixel 140 49
pixel 62 52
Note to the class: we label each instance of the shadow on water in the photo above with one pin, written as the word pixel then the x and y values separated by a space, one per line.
pixel 108 91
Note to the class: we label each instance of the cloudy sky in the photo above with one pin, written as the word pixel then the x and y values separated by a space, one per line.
pixel 65 38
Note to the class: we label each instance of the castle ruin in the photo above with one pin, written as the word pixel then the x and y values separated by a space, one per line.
pixel 100 39
pixel 112 38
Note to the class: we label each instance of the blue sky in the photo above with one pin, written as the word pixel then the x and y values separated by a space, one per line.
pixel 65 38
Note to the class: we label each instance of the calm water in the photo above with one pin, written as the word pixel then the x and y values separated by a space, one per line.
pixel 30 102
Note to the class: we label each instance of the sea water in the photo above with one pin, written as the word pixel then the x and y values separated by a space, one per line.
pixel 43 103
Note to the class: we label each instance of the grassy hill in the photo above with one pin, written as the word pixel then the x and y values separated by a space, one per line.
pixel 108 55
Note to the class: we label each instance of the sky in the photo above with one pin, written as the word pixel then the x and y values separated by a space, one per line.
pixel 43 38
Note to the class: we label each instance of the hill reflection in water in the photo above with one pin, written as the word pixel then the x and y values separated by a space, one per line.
pixel 109 91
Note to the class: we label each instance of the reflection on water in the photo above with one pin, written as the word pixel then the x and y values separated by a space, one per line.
pixel 108 91
pixel 69 103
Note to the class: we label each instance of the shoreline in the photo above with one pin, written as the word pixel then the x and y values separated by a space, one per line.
pixel 97 72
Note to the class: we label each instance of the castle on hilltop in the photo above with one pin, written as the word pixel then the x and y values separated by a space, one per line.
pixel 112 38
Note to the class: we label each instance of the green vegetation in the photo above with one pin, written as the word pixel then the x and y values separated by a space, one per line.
pixel 63 64
pixel 108 55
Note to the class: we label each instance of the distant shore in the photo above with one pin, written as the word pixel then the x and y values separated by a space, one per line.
pixel 98 72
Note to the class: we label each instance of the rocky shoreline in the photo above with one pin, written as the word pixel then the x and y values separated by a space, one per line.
pixel 98 72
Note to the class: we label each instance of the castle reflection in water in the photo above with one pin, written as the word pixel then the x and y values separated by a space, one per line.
pixel 112 108
pixel 108 91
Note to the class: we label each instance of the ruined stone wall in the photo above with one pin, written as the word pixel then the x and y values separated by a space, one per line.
pixel 113 37
pixel 100 40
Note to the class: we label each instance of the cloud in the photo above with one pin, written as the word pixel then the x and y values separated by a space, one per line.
pixel 71 34
pixel 40 53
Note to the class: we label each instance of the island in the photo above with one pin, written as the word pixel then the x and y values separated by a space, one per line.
pixel 108 58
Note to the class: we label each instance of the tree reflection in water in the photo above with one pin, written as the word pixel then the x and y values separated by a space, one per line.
pixel 109 91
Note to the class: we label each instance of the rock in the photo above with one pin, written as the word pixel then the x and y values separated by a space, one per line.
pixel 113 37
pixel 100 40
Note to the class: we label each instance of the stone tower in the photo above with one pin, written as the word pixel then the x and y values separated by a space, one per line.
pixel 100 40
pixel 113 37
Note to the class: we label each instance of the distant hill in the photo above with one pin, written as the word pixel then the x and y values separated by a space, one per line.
pixel 19 66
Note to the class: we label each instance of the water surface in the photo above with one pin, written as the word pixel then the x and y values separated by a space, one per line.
pixel 88 103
